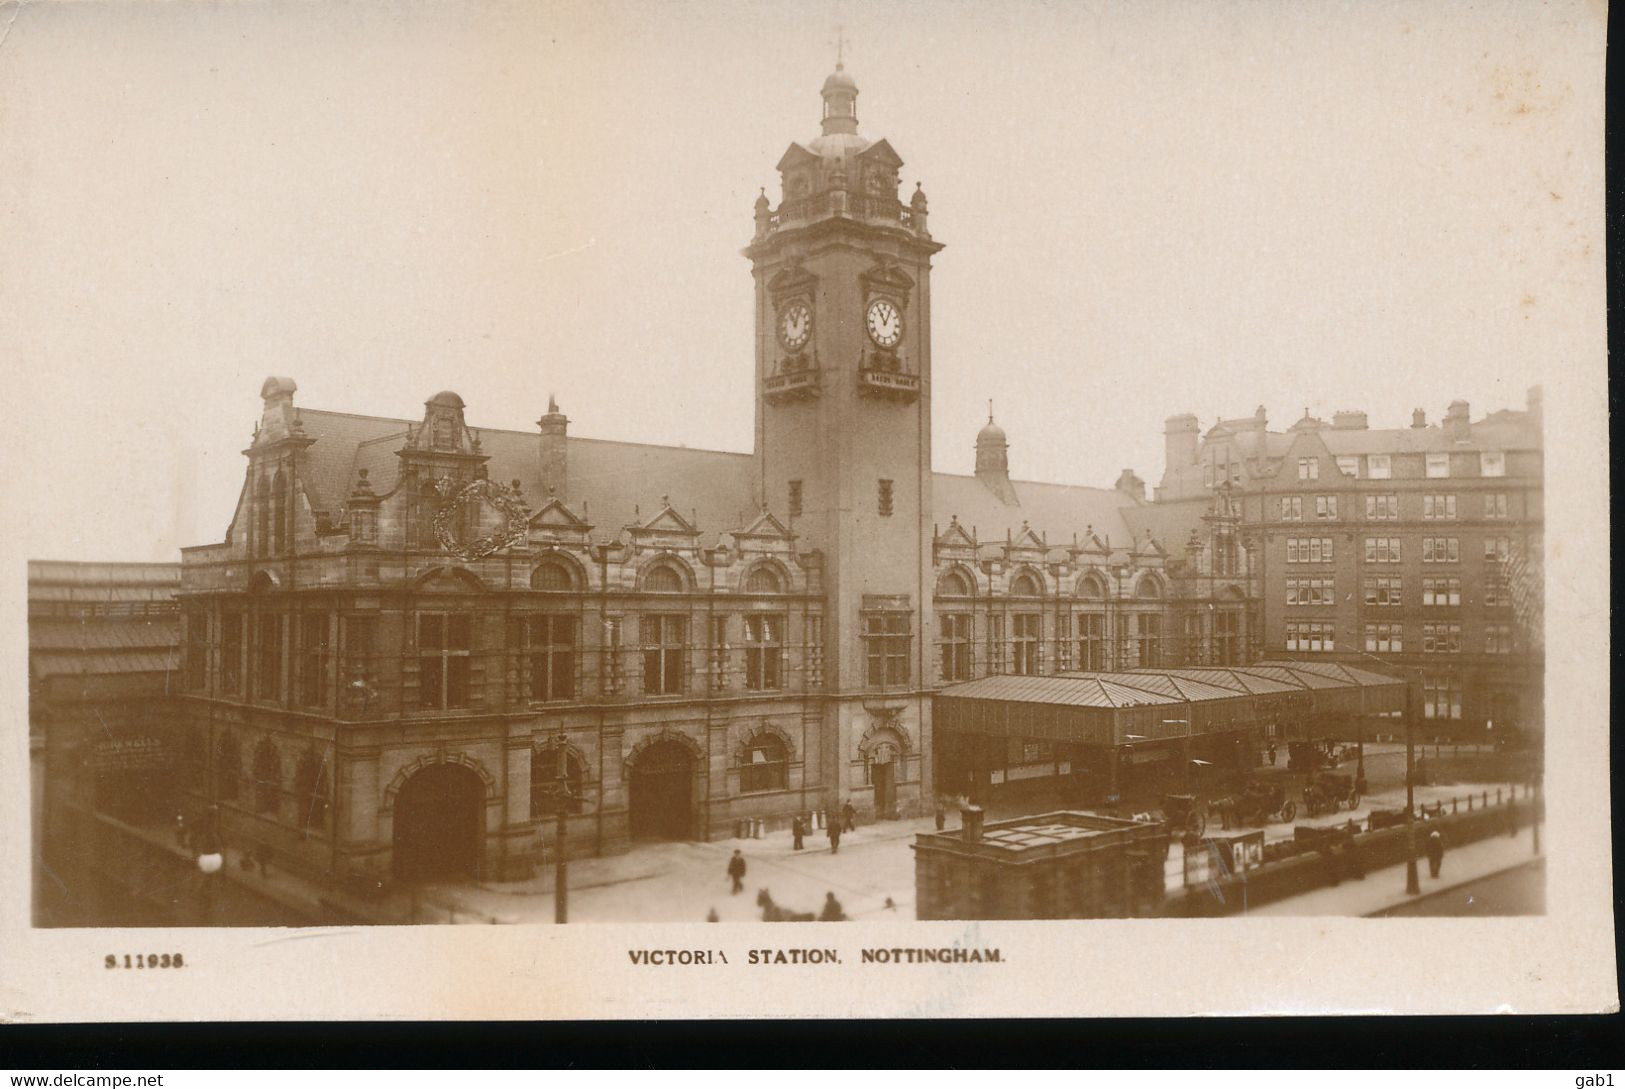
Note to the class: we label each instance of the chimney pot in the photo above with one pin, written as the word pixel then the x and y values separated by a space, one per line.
pixel 970 822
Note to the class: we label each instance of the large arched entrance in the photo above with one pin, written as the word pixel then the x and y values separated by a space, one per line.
pixel 662 792
pixel 439 822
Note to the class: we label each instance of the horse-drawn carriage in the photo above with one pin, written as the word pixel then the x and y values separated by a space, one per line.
pixel 1258 801
pixel 1328 792
pixel 1184 814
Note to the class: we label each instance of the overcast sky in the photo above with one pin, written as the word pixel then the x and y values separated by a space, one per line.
pixel 1148 209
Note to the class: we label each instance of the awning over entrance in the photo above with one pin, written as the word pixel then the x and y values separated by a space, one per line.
pixel 1118 708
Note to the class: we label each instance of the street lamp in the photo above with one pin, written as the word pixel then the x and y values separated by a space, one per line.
pixel 1413 682
pixel 562 800
pixel 211 860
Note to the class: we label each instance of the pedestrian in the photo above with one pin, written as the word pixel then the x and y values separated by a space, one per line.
pixel 849 817
pixel 712 917
pixel 834 830
pixel 832 912
pixel 736 870
pixel 1272 754
pixel 1351 852
pixel 1435 852
pixel 798 829
pixel 942 815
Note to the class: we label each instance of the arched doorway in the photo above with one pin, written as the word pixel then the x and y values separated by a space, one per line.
pixel 439 822
pixel 662 792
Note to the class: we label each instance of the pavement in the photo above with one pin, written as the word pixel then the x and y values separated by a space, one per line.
pixel 680 882
pixel 683 882
pixel 1383 890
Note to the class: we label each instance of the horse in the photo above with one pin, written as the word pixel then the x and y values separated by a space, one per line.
pixel 773 913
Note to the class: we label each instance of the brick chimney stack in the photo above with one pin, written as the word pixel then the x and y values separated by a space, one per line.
pixel 1180 439
pixel 555 463
pixel 1456 421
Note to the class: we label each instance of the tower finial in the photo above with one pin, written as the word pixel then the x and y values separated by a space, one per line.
pixel 840 47
pixel 990 410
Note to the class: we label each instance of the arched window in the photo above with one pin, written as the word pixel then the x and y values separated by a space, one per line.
pixel 544 781
pixel 1025 585
pixel 1149 589
pixel 663 579
pixel 764 764
pixel 953 583
pixel 267 773
pixel 228 767
pixel 553 576
pixel 279 512
pixel 764 580
pixel 1090 586
pixel 310 788
pixel 262 516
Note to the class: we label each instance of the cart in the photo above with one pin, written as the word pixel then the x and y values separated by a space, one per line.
pixel 1328 792
pixel 1257 802
pixel 1184 814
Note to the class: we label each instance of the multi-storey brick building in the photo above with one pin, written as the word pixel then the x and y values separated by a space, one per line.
pixel 1415 547
pixel 415 630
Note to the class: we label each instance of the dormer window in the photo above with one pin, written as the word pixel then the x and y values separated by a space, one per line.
pixel 1492 463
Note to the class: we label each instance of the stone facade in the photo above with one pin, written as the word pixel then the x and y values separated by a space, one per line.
pixel 420 638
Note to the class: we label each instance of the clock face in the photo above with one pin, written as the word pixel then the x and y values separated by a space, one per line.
pixel 885 323
pixel 795 326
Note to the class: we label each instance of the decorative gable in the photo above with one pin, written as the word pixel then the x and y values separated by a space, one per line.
pixel 555 523
pixel 887 277
pixel 795 155
pixel 766 530
pixel 666 530
pixel 793 279
pixel 882 151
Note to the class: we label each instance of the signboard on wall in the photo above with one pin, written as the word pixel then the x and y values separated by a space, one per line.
pixel 131 754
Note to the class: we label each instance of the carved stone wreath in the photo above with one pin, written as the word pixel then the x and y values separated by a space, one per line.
pixel 510 535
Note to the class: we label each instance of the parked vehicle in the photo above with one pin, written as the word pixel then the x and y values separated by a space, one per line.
pixel 1184 814
pixel 1327 792
pixel 1257 802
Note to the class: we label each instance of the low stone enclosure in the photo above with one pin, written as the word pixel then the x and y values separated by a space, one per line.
pixel 1317 857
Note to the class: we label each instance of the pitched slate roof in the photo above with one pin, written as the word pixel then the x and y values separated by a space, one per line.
pixel 622 483
pixel 1057 511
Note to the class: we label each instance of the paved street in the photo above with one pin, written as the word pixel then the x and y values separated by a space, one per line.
pixel 676 882
pixel 1517 891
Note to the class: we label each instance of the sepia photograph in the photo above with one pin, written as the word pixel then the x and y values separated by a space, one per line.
pixel 650 465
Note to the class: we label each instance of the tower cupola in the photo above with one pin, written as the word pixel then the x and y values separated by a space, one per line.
pixel 993 461
pixel 840 102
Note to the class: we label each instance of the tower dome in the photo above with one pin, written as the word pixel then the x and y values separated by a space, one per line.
pixel 840 103
pixel 993 460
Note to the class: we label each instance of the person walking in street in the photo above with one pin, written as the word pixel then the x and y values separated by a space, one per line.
pixel 1272 755
pixel 834 837
pixel 1351 852
pixel 849 817
pixel 833 912
pixel 736 871
pixel 798 829
pixel 1435 849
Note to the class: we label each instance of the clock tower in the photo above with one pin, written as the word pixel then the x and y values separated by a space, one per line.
pixel 843 439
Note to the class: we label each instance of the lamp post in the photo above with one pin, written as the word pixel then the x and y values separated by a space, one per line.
pixel 561 806
pixel 1413 883
pixel 211 859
